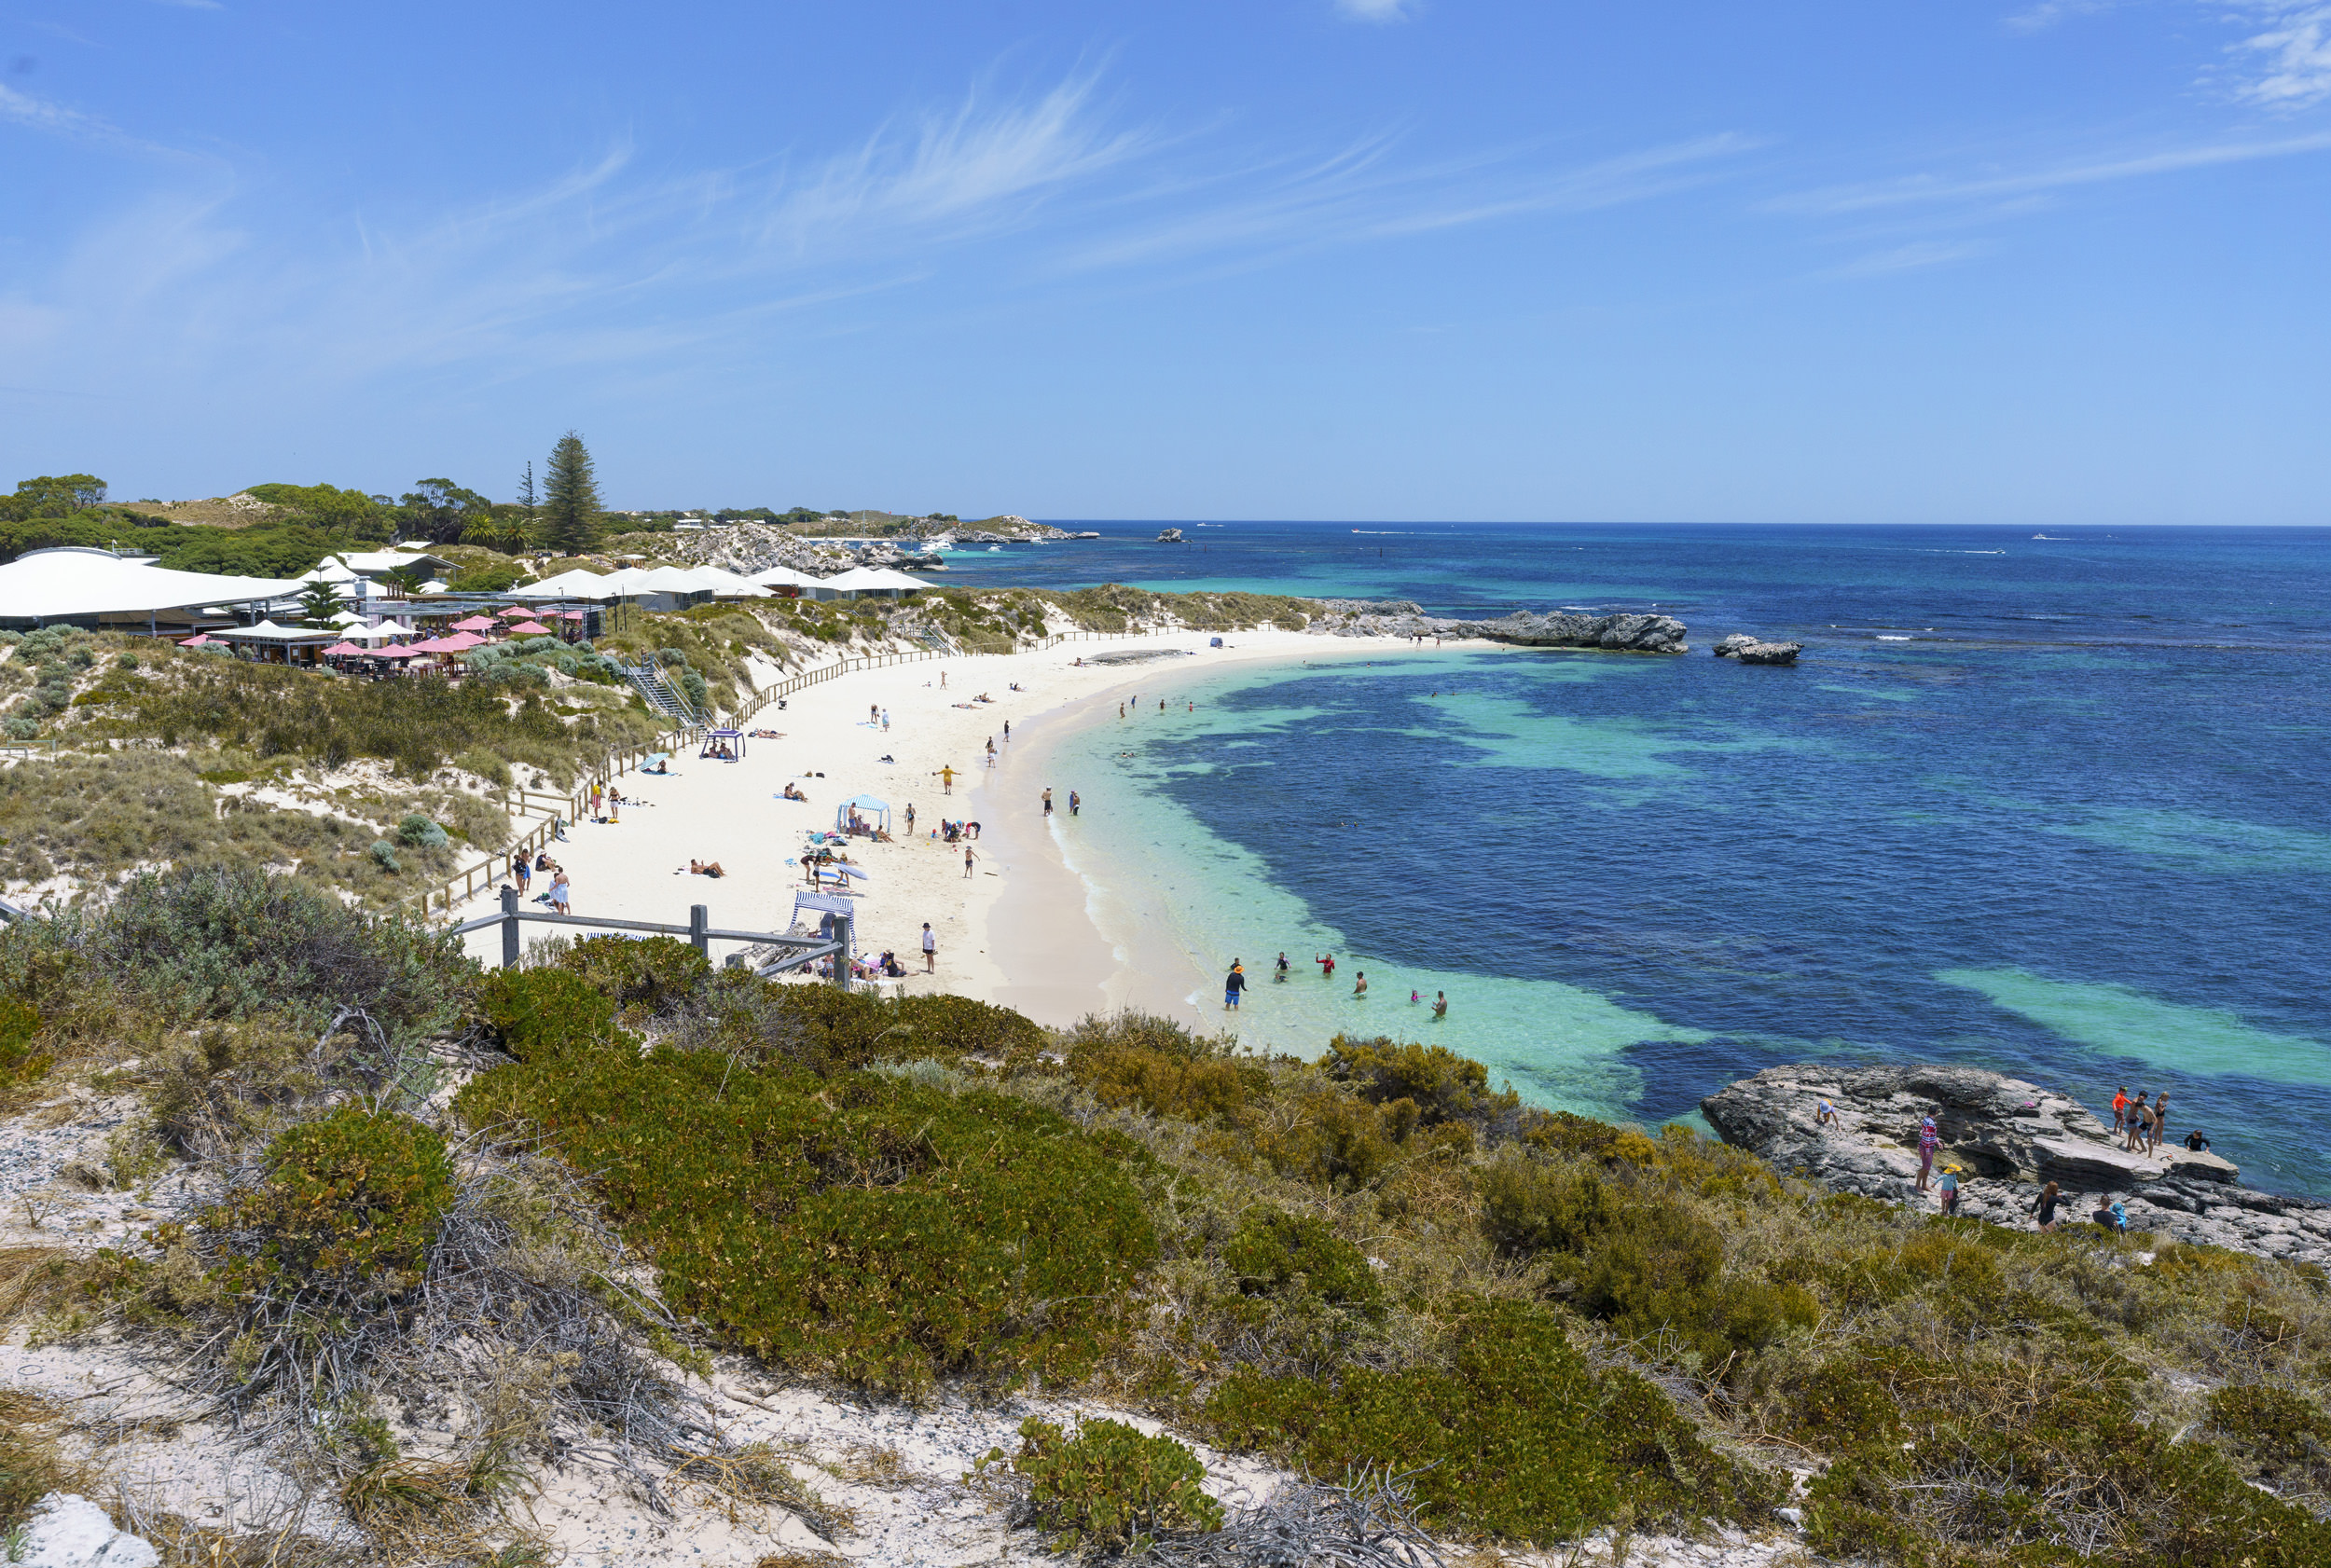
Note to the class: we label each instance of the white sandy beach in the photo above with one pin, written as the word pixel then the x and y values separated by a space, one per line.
pixel 1016 931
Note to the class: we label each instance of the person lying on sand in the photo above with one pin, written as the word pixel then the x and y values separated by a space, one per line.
pixel 705 868
pixel 767 735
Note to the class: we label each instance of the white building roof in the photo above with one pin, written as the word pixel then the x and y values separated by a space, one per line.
pixel 267 631
pixel 728 584
pixel 873 579
pixel 74 580
pixel 786 577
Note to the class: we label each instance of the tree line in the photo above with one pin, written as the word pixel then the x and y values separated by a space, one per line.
pixel 564 514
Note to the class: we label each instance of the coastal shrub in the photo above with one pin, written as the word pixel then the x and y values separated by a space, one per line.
pixel 643 978
pixel 420 833
pixel 349 1206
pixel 20 1026
pixel 217 945
pixel 1528 1207
pixel 1517 1437
pixel 848 1030
pixel 2287 1438
pixel 1276 1253
pixel 384 856
pixel 546 1014
pixel 1443 1085
pixel 1110 1488
pixel 861 1227
pixel 1168 1072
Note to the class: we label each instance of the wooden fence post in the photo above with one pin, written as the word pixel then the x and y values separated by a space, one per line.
pixel 510 928
pixel 700 922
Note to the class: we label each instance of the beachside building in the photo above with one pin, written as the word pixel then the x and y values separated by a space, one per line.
pixel 81 585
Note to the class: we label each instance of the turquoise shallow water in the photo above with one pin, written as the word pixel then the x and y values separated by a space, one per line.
pixel 2093 855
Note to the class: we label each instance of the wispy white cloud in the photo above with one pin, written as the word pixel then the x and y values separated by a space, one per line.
pixel 1930 189
pixel 613 262
pixel 1917 257
pixel 1375 11
pixel 56 119
pixel 1363 193
pixel 2048 13
pixel 2290 61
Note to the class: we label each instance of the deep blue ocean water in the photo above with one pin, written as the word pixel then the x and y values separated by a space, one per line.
pixel 2056 806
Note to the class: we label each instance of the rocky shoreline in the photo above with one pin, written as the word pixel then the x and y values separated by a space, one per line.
pixel 1621 632
pixel 2007 1136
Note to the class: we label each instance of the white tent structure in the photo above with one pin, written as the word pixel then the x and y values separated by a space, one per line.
pixel 578 583
pixel 878 581
pixel 783 577
pixel 78 583
pixel 725 584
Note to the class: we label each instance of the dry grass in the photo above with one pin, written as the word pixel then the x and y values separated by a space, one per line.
pixel 32 1460
pixel 38 1281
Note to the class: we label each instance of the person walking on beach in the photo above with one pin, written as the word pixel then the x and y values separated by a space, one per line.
pixel 991 750
pixel 1928 1141
pixel 1007 732
pixel 521 870
pixel 968 858
pixel 560 893
pixel 1048 801
pixel 946 781
pixel 1233 986
pixel 931 950
pixel 910 819
pixel 1074 805
pixel 886 720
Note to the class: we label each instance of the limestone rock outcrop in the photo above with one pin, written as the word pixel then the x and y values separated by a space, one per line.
pixel 1624 632
pixel 1756 651
pixel 2007 1136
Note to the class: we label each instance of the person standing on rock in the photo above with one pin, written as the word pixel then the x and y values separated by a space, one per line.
pixel 1948 1186
pixel 2120 1111
pixel 2044 1208
pixel 2139 1114
pixel 2157 1123
pixel 1928 1141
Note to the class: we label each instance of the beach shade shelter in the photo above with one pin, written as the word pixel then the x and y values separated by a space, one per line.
pixel 81 583
pixel 725 584
pixel 734 740
pixel 277 643
pixel 344 651
pixel 515 612
pixel 866 808
pixel 785 582
pixel 530 628
pixel 198 641
pixel 460 642
pixel 873 582
pixel 475 623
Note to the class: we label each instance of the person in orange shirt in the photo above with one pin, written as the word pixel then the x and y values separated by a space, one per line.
pixel 2120 1110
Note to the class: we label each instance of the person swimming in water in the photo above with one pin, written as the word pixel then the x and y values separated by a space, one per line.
pixel 1440 1005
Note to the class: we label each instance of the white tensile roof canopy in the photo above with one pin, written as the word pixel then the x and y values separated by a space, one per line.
pixel 74 580
pixel 873 579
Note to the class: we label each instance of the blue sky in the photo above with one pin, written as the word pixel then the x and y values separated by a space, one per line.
pixel 2046 261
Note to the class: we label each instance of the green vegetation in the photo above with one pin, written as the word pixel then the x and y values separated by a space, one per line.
pixel 571 512
pixel 1109 1488
pixel 1379 1258
pixel 348 1206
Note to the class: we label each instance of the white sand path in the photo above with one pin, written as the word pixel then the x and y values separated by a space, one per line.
pixel 1049 963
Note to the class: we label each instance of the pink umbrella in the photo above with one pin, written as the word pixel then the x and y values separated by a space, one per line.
pixel 570 614
pixel 518 611
pixel 475 623
pixel 459 642
pixel 403 653
pixel 200 639
pixel 342 651
pixel 530 628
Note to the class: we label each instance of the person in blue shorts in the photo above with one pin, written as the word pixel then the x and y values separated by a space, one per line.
pixel 1232 985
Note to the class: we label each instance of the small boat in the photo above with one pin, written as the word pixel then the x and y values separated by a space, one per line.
pixel 1170 536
